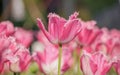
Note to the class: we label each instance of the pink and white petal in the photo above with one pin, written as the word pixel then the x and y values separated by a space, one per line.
pixel 2 27
pixel 41 26
pixel 71 29
pixel 74 16
pixel 24 58
pixel 9 27
pixel 85 65
pixel 51 53
pixel 1 65
pixel 55 25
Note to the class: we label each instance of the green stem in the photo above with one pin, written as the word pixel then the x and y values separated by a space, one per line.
pixel 59 59
pixel 78 70
pixel 15 73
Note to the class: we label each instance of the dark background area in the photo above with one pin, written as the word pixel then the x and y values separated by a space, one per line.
pixel 24 12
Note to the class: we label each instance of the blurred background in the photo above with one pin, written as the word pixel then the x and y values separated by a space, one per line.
pixel 24 12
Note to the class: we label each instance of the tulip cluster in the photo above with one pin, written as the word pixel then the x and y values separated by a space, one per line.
pixel 66 47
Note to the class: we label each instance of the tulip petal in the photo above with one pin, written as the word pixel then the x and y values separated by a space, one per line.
pixel 56 25
pixel 71 29
pixel 7 28
pixel 85 65
pixel 73 16
pixel 2 28
pixel 41 26
pixel 1 65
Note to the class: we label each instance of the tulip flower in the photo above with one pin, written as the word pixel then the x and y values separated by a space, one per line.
pixel 107 41
pixel 20 60
pixel 23 36
pixel 114 51
pixel 89 33
pixel 17 56
pixel 7 28
pixel 95 64
pixel 48 60
pixel 11 52
pixel 102 41
pixel 61 31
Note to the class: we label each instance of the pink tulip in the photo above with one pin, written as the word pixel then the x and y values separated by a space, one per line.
pixel 95 64
pixel 13 54
pixel 60 30
pixel 6 27
pixel 20 60
pixel 48 60
pixel 114 52
pixel 17 56
pixel 102 41
pixel 89 33
pixel 115 43
pixel 115 33
pixel 107 41
pixel 23 36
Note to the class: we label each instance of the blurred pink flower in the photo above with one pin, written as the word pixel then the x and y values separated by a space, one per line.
pixel 109 44
pixel 107 41
pixel 102 41
pixel 95 64
pixel 48 60
pixel 60 30
pixel 16 56
pixel 6 28
pixel 115 48
pixel 13 53
pixel 23 36
pixel 89 33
